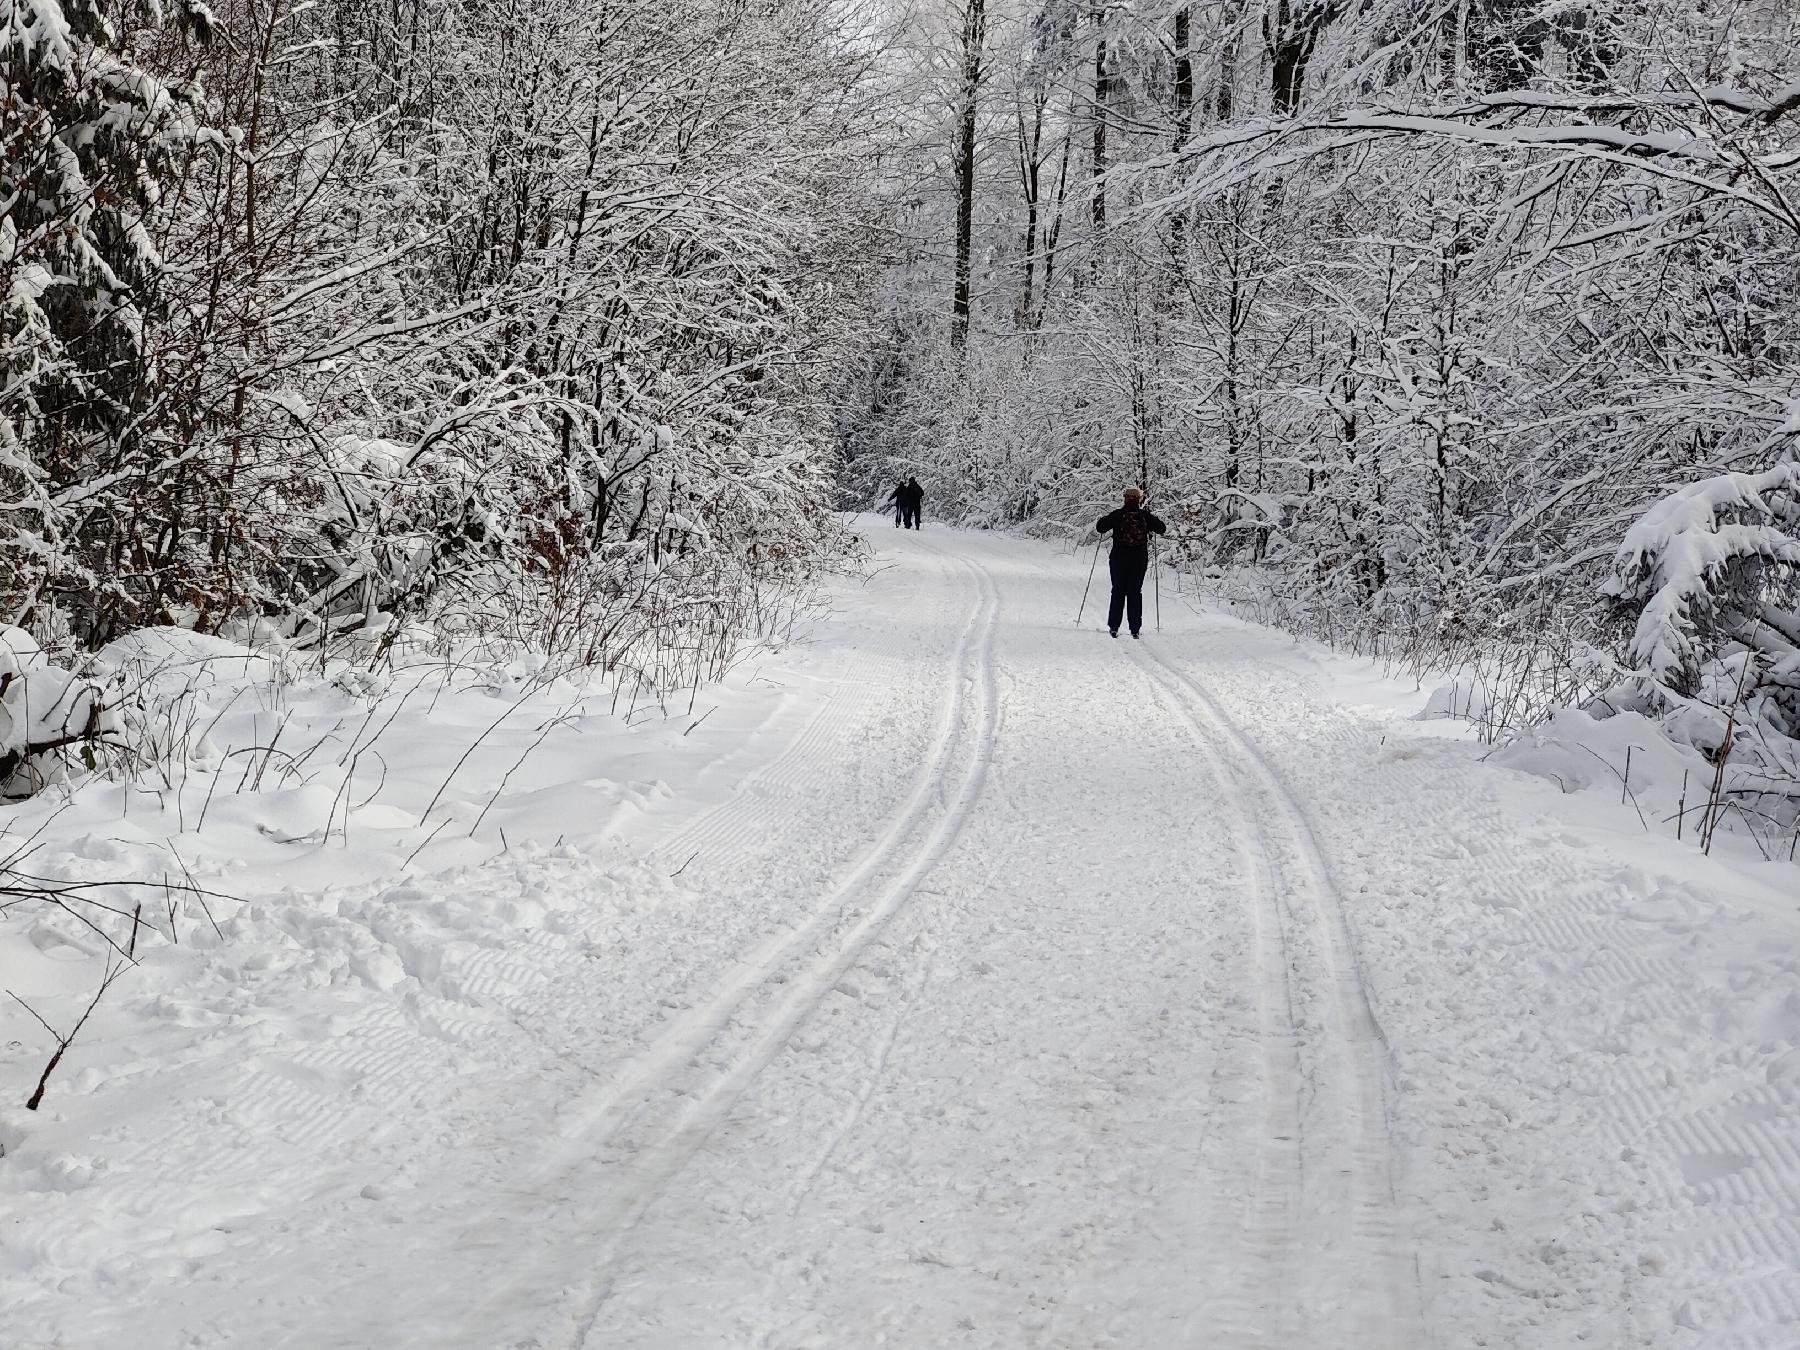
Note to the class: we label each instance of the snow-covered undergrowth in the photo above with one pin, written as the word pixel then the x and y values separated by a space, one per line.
pixel 1669 778
pixel 50 718
pixel 293 898
pixel 1679 692
pixel 220 783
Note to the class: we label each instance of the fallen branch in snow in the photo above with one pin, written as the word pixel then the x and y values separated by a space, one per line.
pixel 63 1042
pixel 45 711
pixel 81 900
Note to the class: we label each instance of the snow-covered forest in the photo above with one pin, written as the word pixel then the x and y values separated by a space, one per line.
pixel 333 318
pixel 1462 333
pixel 503 843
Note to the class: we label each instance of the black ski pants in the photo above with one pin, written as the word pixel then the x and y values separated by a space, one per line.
pixel 1127 566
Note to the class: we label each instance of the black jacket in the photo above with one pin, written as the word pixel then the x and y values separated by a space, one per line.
pixel 1111 521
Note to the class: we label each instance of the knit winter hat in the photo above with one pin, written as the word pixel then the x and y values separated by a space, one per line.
pixel 1134 494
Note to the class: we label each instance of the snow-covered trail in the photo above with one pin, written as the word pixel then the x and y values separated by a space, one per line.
pixel 982 982
pixel 1082 1060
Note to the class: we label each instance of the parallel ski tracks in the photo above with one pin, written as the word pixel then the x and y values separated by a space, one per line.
pixel 729 831
pixel 750 1021
pixel 1329 1250
pixel 632 1138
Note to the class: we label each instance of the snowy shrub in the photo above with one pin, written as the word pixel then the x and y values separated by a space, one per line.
pixel 51 720
pixel 1713 567
pixel 1708 583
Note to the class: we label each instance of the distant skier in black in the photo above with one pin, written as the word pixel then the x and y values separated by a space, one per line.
pixel 908 498
pixel 1131 527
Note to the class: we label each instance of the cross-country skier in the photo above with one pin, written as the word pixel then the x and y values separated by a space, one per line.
pixel 907 498
pixel 910 497
pixel 1131 527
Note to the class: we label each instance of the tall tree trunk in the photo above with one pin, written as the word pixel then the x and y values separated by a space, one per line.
pixel 1031 164
pixel 1184 77
pixel 974 35
pixel 1292 30
pixel 1053 231
pixel 1184 124
pixel 1102 96
pixel 1227 76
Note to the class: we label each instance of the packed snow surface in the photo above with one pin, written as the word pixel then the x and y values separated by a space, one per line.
pixel 959 977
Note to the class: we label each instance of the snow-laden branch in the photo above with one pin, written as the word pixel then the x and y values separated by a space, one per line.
pixel 1713 159
pixel 1700 556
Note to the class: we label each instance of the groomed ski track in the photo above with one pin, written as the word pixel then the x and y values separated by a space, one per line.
pixel 1225 1180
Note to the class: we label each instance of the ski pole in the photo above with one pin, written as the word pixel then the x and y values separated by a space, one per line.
pixel 1156 582
pixel 1090 582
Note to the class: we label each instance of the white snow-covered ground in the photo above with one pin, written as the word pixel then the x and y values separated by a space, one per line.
pixel 959 978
